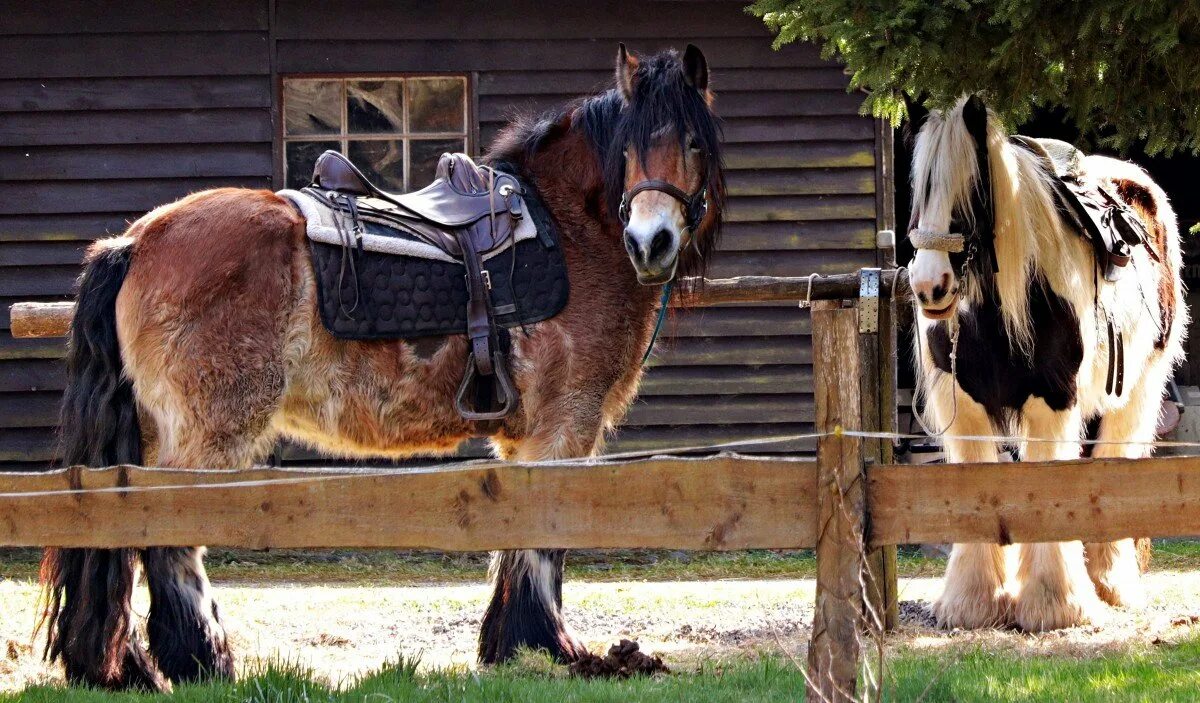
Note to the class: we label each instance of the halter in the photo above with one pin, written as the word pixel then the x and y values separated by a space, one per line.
pixel 695 208
pixel 695 205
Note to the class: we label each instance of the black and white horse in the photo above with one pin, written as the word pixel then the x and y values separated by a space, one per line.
pixel 1013 340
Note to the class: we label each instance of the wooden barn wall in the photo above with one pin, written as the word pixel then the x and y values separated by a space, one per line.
pixel 105 112
pixel 114 112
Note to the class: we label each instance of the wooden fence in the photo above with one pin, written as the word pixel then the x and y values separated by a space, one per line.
pixel 851 504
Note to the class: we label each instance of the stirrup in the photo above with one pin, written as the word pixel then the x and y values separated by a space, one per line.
pixel 504 389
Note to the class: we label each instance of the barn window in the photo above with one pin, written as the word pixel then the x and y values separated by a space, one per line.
pixel 394 129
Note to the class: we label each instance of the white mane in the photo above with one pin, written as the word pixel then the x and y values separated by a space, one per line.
pixel 1029 233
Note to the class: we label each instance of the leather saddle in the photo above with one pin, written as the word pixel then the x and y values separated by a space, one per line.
pixel 467 212
pixel 1090 209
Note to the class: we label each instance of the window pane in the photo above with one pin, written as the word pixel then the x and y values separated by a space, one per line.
pixel 437 105
pixel 374 107
pixel 312 107
pixel 382 160
pixel 425 154
pixel 300 159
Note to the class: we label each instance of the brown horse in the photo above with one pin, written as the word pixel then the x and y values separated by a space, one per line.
pixel 197 343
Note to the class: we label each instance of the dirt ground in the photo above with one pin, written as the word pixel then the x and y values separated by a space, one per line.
pixel 344 630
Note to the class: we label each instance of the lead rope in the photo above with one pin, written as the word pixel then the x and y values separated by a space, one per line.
pixel 662 315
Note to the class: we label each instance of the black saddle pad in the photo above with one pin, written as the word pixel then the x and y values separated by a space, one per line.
pixel 400 297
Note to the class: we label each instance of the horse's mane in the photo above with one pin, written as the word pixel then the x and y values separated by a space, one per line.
pixel 1029 234
pixel 661 99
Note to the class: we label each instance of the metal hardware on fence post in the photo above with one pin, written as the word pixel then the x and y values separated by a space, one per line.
pixel 868 300
pixel 834 650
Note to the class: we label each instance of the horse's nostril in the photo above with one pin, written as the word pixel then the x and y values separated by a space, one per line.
pixel 921 296
pixel 659 245
pixel 939 291
pixel 631 245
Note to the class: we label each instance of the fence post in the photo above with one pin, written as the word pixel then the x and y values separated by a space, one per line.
pixel 834 650
pixel 877 354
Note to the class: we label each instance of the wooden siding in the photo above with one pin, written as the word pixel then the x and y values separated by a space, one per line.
pixel 105 113
pixel 94 132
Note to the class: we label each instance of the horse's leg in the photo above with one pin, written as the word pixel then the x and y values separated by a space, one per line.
pixel 91 621
pixel 974 594
pixel 1113 566
pixel 526 605
pixel 1052 580
pixel 187 637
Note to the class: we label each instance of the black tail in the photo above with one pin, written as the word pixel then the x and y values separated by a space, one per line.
pixel 87 613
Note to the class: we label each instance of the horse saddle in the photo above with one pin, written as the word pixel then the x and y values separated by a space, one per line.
pixel 1090 209
pixel 465 254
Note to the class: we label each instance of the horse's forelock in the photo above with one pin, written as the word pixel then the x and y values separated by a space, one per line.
pixel 663 101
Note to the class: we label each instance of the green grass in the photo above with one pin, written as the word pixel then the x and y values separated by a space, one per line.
pixel 392 567
pixel 1164 674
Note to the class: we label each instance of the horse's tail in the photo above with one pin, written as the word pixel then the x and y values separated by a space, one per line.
pixel 86 593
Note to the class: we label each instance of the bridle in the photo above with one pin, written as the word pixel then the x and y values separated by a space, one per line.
pixel 695 205
pixel 695 208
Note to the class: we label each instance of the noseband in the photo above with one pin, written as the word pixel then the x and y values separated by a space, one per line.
pixel 695 206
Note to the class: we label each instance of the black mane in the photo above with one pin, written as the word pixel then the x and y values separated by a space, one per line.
pixel 662 99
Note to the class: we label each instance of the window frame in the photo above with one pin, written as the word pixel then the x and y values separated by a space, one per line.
pixel 470 133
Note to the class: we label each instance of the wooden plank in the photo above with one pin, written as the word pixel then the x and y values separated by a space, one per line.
pixel 797 129
pixel 794 236
pixel 684 380
pixel 728 81
pixel 399 55
pixel 177 93
pixel 733 351
pixel 27 445
pixel 605 23
pixel 801 208
pixel 125 161
pixel 785 320
pixel 834 648
pixel 112 55
pixel 800 103
pixel 708 504
pixel 47 16
pixel 46 348
pixel 715 409
pixel 771 155
pixel 1096 500
pixel 39 409
pixel 41 253
pixel 52 197
pixel 784 262
pixel 808 181
pixel 38 280
pixel 79 226
pixel 137 127
pixel 32 375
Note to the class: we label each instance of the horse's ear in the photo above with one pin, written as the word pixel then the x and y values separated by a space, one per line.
pixel 916 111
pixel 695 68
pixel 974 114
pixel 627 65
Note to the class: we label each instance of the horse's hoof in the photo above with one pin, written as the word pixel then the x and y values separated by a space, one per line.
pixel 1122 592
pixel 1038 609
pixel 973 610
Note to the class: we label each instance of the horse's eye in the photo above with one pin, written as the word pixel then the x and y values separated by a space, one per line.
pixel 693 145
